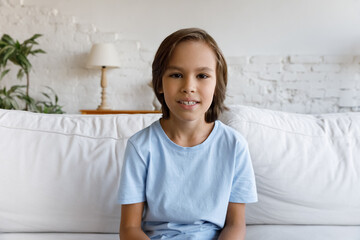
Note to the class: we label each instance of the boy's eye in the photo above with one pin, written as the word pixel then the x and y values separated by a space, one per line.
pixel 203 76
pixel 176 75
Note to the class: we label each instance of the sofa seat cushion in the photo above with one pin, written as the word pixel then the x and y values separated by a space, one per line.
pixel 253 232
pixel 58 236
pixel 307 167
pixel 301 232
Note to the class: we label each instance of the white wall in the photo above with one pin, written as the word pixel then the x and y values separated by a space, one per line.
pixel 242 27
pixel 284 55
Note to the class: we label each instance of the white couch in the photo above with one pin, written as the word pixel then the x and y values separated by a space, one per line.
pixel 59 174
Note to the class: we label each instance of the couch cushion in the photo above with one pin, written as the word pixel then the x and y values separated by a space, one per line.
pixel 61 172
pixel 307 167
pixel 300 232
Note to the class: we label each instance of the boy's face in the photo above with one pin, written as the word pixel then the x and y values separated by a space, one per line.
pixel 189 81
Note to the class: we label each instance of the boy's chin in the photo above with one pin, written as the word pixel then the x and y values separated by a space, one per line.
pixel 187 117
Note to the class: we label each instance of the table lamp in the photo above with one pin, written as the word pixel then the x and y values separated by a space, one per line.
pixel 103 56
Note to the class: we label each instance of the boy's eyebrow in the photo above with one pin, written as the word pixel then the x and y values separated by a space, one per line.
pixel 207 69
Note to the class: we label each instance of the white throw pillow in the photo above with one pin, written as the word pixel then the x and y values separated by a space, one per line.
pixel 60 173
pixel 307 167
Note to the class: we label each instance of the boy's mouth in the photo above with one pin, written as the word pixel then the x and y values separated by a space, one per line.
pixel 188 103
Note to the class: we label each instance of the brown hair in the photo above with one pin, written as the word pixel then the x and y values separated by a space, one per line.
pixel 163 56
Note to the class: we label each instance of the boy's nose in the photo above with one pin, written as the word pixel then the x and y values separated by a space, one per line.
pixel 189 85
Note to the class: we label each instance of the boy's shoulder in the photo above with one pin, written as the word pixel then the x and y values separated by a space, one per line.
pixel 144 134
pixel 231 133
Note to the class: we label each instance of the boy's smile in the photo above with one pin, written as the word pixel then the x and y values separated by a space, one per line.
pixel 189 81
pixel 188 104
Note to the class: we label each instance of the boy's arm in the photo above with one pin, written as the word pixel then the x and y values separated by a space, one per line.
pixel 235 226
pixel 130 225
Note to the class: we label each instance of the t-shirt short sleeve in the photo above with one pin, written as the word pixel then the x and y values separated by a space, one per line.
pixel 243 188
pixel 133 177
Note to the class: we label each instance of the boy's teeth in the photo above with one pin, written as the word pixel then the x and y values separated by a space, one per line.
pixel 188 102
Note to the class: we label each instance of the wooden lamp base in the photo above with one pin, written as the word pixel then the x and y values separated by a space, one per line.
pixel 103 105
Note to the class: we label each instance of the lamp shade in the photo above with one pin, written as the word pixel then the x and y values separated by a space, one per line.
pixel 103 55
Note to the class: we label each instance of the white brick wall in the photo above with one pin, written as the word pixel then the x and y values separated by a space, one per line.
pixel 305 84
pixel 305 59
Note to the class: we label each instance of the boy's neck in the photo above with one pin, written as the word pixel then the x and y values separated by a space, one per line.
pixel 186 134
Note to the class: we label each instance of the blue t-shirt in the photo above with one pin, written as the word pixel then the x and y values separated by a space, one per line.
pixel 186 189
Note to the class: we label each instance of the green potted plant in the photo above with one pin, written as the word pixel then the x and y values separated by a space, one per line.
pixel 18 53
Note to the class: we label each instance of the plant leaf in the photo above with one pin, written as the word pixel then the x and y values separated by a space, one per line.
pixel 26 50
pixel 46 95
pixel 6 38
pixel 2 43
pixel 24 62
pixel 36 51
pixel 32 39
pixel 16 88
pixel 4 73
pixel 7 48
pixel 17 44
pixel 8 54
pixel 37 35
pixel 20 74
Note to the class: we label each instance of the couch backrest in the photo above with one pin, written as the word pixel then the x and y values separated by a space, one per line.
pixel 61 172
pixel 307 167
